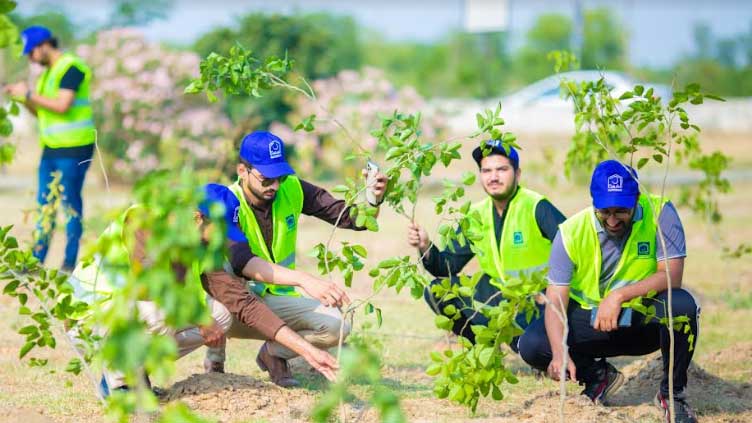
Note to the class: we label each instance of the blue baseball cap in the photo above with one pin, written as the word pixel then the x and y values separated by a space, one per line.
pixel 220 194
pixel 266 152
pixel 497 147
pixel 614 185
pixel 34 36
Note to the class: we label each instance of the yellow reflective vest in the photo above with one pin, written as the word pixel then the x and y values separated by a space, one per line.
pixel 75 127
pixel 286 210
pixel 522 248
pixel 638 260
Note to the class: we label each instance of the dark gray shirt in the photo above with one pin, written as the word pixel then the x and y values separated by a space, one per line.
pixel 561 267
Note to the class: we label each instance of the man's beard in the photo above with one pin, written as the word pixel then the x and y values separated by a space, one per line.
pixel 506 194
pixel 259 195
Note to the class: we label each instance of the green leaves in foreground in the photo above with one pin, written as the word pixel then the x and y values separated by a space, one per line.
pixel 478 370
pixel 239 73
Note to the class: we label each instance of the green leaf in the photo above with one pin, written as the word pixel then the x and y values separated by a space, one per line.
pixel 658 158
pixel 468 178
pixel 485 356
pixel 379 319
pixel 642 162
pixel 11 286
pixel 25 349
pixel 443 322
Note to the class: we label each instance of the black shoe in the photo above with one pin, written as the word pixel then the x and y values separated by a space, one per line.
pixel 609 380
pixel 684 413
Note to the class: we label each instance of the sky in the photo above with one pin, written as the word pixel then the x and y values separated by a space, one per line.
pixel 660 31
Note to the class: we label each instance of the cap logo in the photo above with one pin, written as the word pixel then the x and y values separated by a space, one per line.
pixel 614 183
pixel 275 149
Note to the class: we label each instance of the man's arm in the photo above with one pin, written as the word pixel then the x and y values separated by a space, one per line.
pixel 438 263
pixel 233 293
pixel 252 312
pixel 59 104
pixel 560 271
pixel 245 263
pixel 556 307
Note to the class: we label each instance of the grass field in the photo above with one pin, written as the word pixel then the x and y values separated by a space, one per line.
pixel 719 387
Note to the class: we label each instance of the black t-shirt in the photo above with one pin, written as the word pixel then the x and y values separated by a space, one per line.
pixel 71 81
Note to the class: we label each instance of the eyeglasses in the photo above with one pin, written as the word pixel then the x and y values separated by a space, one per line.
pixel 618 213
pixel 266 182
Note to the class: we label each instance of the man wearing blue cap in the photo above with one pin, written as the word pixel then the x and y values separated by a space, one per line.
pixel 517 226
pixel 271 200
pixel 602 258
pixel 67 134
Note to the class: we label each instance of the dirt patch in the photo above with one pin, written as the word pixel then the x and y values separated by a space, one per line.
pixel 732 362
pixel 708 394
pixel 230 398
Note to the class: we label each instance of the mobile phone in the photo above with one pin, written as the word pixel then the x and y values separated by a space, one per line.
pixel 625 317
pixel 372 169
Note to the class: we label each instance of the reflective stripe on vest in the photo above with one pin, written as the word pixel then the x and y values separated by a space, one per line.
pixel 286 210
pixel 75 127
pixel 522 248
pixel 638 260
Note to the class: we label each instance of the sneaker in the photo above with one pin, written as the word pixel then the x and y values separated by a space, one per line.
pixel 684 413
pixel 213 366
pixel 609 380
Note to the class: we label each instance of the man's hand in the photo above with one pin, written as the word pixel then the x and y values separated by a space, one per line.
pixel 17 90
pixel 378 189
pixel 418 237
pixel 607 318
pixel 327 292
pixel 322 361
pixel 212 334
pixel 554 367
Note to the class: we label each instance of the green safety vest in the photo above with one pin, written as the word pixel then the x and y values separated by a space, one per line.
pixel 580 239
pixel 522 248
pixel 75 127
pixel 286 210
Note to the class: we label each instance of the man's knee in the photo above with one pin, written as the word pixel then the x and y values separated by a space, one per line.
pixel 330 329
pixel 684 304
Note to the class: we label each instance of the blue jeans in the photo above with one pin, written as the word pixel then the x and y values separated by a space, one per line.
pixel 73 171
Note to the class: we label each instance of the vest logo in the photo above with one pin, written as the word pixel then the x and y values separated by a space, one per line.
pixel 290 221
pixel 275 149
pixel 517 238
pixel 614 183
pixel 643 249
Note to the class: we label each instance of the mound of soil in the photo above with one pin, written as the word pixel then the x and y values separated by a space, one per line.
pixel 229 398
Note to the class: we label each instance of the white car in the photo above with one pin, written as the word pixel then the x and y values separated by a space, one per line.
pixel 540 107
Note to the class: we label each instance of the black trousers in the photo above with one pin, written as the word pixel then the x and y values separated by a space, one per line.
pixel 586 345
pixel 483 291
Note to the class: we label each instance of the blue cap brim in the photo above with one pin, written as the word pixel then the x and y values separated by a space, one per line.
pixel 27 49
pixel 275 170
pixel 609 201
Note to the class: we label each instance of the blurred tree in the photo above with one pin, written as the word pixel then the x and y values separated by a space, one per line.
pixel 550 32
pixel 605 41
pixel 464 65
pixel 320 44
pixel 138 12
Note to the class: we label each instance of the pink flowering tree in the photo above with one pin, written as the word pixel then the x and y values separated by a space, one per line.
pixel 358 100
pixel 143 118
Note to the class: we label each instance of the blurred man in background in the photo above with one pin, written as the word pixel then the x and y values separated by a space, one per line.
pixel 67 134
